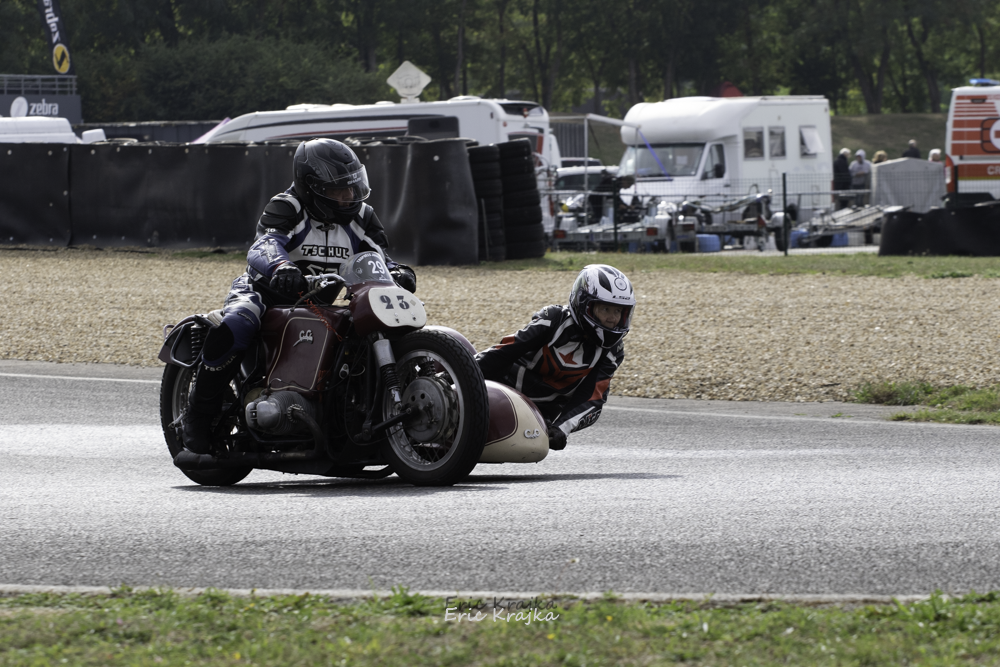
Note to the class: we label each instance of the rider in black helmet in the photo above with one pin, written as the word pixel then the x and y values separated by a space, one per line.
pixel 320 222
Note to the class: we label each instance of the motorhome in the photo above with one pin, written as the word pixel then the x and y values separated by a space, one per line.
pixel 972 141
pixel 719 150
pixel 488 121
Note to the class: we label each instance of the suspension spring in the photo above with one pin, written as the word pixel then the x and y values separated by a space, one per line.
pixel 198 335
pixel 389 378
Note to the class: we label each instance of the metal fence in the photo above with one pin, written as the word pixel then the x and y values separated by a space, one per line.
pixel 25 84
pixel 773 211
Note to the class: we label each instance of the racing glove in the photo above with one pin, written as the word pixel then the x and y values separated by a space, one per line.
pixel 288 281
pixel 404 277
pixel 557 439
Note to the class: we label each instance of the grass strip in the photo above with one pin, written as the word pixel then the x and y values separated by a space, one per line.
pixel 947 405
pixel 858 264
pixel 162 627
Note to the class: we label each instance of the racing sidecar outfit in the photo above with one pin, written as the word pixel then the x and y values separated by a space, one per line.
pixel 555 364
pixel 286 234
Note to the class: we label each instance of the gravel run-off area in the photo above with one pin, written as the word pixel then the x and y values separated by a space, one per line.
pixel 694 335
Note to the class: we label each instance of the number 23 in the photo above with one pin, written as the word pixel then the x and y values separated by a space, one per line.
pixel 387 300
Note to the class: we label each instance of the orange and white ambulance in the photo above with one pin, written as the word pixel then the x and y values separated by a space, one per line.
pixel 972 143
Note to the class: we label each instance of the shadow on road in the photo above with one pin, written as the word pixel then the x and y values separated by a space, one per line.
pixel 395 487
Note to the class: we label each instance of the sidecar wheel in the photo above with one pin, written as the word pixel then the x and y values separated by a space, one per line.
pixel 440 381
pixel 174 390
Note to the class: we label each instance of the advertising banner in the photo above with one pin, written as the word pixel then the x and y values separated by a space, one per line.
pixel 58 43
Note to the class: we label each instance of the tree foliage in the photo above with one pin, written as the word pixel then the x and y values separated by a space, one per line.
pixel 200 59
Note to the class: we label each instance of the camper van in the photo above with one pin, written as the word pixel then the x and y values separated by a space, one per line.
pixel 719 150
pixel 972 142
pixel 488 121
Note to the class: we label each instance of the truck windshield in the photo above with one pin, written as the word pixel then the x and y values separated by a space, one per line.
pixel 677 159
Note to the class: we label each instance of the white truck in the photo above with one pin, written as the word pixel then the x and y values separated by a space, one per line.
pixel 972 141
pixel 720 151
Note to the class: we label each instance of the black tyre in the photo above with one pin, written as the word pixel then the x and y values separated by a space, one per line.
pixel 823 241
pixel 517 165
pixel 526 250
pixel 514 148
pixel 489 188
pixel 494 221
pixel 442 383
pixel 518 217
pixel 481 154
pixel 519 183
pixel 493 205
pixel 526 234
pixel 779 239
pixel 519 199
pixel 174 389
pixel 485 171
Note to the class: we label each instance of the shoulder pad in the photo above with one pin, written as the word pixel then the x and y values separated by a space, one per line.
pixel 283 206
pixel 282 213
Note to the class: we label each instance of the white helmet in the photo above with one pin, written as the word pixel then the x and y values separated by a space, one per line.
pixel 600 283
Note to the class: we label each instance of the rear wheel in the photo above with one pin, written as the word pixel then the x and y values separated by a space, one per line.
pixel 174 390
pixel 442 441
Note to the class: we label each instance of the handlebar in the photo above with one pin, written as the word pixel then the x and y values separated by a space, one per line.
pixel 319 283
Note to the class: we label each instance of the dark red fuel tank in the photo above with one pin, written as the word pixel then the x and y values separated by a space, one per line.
pixel 301 344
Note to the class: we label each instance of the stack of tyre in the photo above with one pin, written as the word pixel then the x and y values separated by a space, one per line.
pixel 522 211
pixel 484 161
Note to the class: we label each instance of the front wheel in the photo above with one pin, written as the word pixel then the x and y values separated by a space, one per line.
pixel 174 390
pixel 442 440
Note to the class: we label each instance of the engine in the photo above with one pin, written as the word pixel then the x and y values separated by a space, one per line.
pixel 274 413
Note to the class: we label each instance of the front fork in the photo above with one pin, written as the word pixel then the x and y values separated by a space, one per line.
pixel 386 361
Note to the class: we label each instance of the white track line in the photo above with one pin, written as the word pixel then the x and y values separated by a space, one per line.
pixel 73 377
pixel 360 594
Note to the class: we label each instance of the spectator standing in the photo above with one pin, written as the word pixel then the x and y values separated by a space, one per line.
pixel 842 175
pixel 880 156
pixel 861 171
pixel 934 155
pixel 912 151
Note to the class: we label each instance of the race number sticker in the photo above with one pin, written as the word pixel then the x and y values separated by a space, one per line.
pixel 396 307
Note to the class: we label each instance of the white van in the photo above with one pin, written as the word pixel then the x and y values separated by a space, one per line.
pixel 488 121
pixel 972 142
pixel 719 150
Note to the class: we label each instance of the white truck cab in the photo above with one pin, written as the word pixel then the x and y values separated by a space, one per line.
pixel 36 130
pixel 721 149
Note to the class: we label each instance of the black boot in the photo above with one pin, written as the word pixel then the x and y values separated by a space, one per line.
pixel 205 403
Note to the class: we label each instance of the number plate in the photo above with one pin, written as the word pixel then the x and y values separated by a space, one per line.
pixel 396 307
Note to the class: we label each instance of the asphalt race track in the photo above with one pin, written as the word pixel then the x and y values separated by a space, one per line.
pixel 674 497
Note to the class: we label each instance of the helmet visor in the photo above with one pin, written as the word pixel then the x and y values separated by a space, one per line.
pixel 610 316
pixel 344 189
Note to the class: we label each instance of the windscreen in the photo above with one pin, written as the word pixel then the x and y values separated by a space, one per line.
pixel 674 159
pixel 365 267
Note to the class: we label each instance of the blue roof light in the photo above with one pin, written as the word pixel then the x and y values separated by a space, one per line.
pixel 984 82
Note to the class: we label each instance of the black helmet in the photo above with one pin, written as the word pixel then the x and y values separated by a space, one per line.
pixel 600 283
pixel 330 180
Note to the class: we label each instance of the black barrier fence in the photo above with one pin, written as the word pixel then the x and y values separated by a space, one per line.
pixel 172 196
pixel 963 230
pixel 34 194
pixel 185 196
pixel 423 194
